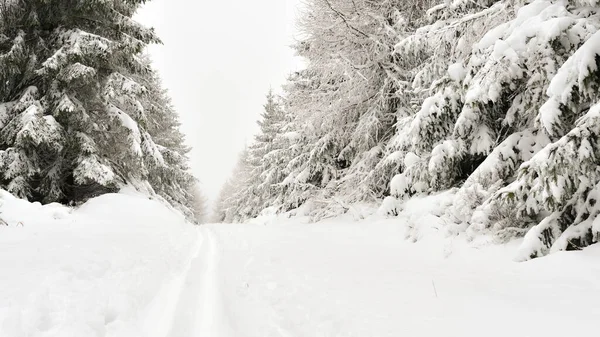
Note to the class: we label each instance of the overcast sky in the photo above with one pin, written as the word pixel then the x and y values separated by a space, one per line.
pixel 218 61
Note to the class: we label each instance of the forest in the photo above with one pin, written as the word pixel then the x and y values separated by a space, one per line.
pixel 432 169
pixel 495 100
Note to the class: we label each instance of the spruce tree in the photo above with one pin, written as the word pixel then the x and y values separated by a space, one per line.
pixel 257 178
pixel 265 154
pixel 82 112
pixel 523 83
pixel 232 204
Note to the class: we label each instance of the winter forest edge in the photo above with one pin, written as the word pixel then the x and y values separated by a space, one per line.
pixel 83 113
pixel 496 101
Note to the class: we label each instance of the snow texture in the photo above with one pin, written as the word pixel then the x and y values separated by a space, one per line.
pixel 98 270
pixel 103 270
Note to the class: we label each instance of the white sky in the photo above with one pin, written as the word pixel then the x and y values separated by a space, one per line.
pixel 218 60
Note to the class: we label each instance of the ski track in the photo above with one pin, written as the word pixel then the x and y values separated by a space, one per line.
pixel 198 307
pixel 208 287
pixel 166 312
pixel 349 280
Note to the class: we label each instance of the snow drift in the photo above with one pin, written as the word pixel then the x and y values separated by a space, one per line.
pixel 108 268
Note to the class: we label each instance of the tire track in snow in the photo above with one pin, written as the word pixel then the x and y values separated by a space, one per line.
pixel 208 288
pixel 199 310
pixel 162 314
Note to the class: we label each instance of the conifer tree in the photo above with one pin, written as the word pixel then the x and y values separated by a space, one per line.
pixel 232 204
pixel 519 91
pixel 82 112
pixel 256 179
pixel 199 206
pixel 265 155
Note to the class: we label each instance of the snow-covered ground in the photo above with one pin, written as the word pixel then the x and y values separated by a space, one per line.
pixel 123 265
pixel 112 267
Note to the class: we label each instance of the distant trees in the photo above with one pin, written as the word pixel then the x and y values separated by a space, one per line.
pixel 232 204
pixel 81 111
pixel 199 206
pixel 341 110
pixel 255 182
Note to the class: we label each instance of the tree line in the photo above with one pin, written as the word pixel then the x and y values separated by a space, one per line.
pixel 495 99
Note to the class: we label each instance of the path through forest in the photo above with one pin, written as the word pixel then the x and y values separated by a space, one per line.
pixel 350 279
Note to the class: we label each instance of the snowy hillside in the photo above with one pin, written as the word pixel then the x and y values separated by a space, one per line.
pixel 125 266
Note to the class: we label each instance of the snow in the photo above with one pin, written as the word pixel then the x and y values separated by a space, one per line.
pixel 292 136
pixel 576 69
pixel 345 278
pixel 436 8
pixel 39 129
pixel 76 71
pixel 527 16
pixel 411 159
pixel 91 271
pixel 4 110
pixel 90 168
pixel 441 153
pixel 390 206
pixel 399 185
pixel 152 150
pixel 79 43
pixel 572 74
pixel 66 105
pixel 457 72
pixel 135 136
pixel 124 265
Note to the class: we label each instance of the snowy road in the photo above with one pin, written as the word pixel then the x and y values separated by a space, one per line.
pixel 103 271
pixel 349 279
pixel 197 302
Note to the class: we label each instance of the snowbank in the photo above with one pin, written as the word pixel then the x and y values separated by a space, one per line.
pixel 108 268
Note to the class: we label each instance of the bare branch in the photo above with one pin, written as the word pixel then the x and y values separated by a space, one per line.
pixel 343 17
